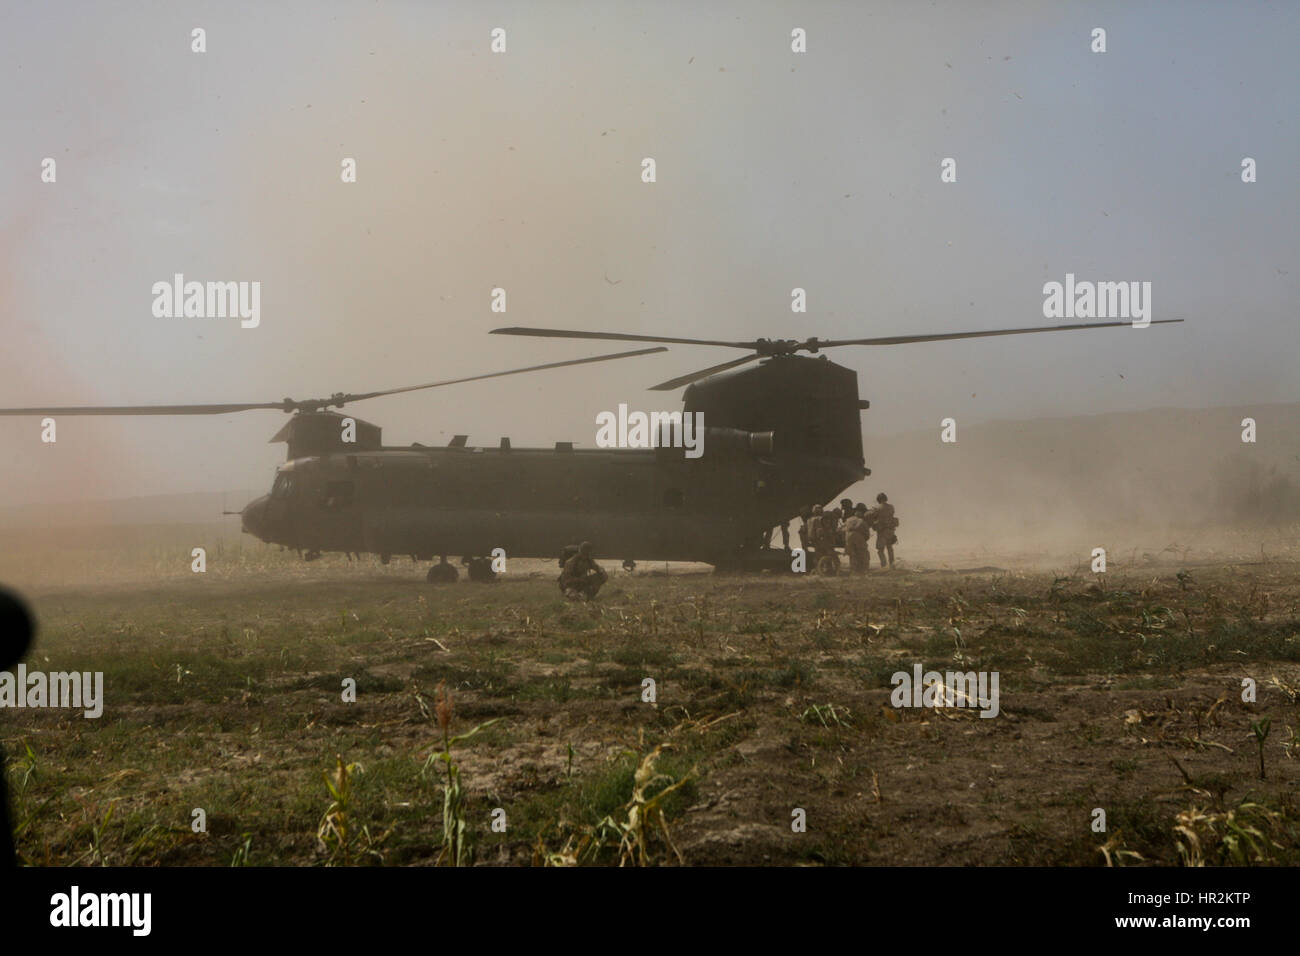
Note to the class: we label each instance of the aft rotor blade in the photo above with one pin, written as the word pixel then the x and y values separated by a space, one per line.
pixel 514 371
pixel 681 380
pixel 619 337
pixel 943 336
pixel 142 409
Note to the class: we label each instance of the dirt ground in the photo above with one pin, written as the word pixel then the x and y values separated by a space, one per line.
pixel 224 692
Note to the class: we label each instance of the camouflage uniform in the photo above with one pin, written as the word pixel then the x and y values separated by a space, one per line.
pixel 856 542
pixel 814 539
pixel 582 577
pixel 844 514
pixel 826 537
pixel 831 529
pixel 883 520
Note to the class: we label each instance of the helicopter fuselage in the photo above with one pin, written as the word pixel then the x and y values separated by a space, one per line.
pixel 653 505
pixel 780 436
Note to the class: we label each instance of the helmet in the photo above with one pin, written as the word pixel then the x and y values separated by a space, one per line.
pixel 882 497
pixel 860 508
pixel 585 548
pixel 817 509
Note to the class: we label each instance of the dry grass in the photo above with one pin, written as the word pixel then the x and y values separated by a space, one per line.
pixel 223 692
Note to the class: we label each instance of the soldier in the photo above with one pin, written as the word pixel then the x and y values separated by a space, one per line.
pixel 805 534
pixel 582 577
pixel 856 537
pixel 847 510
pixel 814 540
pixel 862 511
pixel 830 522
pixel 785 535
pixel 826 536
pixel 883 520
pixel 835 527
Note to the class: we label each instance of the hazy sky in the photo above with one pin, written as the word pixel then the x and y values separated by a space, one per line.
pixel 522 170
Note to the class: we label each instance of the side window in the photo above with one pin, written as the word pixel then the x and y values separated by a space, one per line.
pixel 338 495
pixel 282 487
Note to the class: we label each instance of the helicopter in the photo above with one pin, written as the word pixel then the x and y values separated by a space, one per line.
pixel 781 434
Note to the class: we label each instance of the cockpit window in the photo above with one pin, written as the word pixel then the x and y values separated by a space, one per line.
pixel 283 486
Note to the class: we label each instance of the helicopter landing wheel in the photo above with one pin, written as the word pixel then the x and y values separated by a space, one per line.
pixel 442 573
pixel 629 565
pixel 828 565
pixel 480 570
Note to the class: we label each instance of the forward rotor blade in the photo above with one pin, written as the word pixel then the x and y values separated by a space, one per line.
pixel 681 380
pixel 143 409
pixel 514 371
pixel 618 337
pixel 943 336
pixel 289 405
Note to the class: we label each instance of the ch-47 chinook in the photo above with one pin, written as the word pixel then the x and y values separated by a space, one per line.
pixel 778 436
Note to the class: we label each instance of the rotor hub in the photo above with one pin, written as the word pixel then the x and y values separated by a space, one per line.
pixel 769 348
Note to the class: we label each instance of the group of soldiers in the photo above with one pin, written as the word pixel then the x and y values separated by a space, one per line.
pixel 849 526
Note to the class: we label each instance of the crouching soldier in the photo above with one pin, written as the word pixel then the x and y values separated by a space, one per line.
pixel 582 577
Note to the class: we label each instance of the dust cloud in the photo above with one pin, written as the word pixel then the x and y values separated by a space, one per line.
pixel 1168 482
pixel 522 171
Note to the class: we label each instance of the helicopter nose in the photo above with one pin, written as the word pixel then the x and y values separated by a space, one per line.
pixel 253 518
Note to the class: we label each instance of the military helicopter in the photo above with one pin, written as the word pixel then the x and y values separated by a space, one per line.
pixel 779 436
